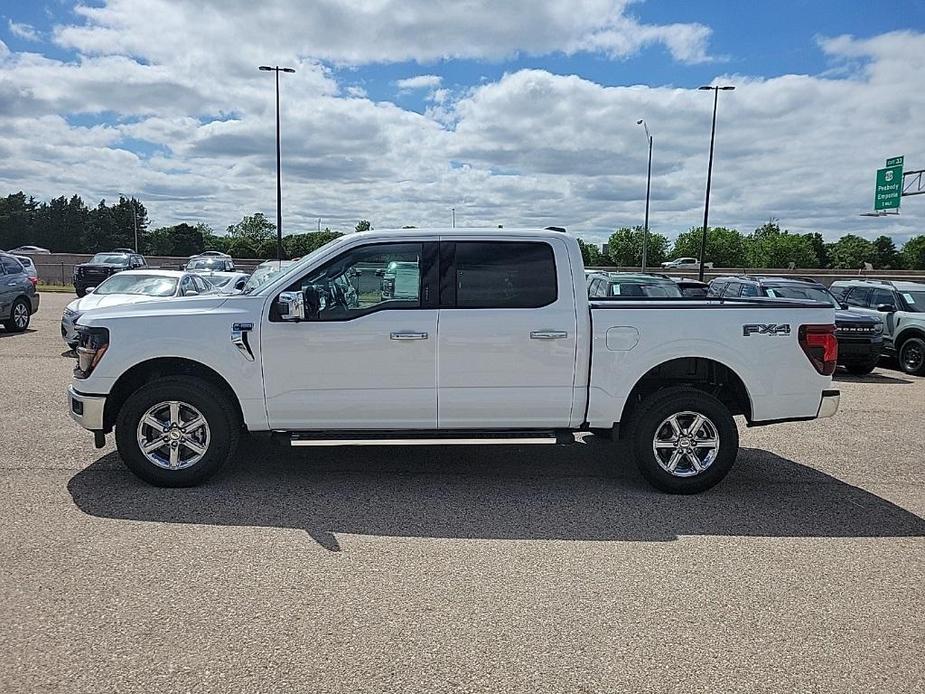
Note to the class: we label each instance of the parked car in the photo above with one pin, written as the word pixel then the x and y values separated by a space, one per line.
pixel 685 264
pixel 630 285
pixel 131 287
pixel 103 265
pixel 211 263
pixel 264 272
pixel 900 307
pixel 500 333
pixel 18 296
pixel 31 250
pixel 226 282
pixel 860 338
pixel 29 267
pixel 693 288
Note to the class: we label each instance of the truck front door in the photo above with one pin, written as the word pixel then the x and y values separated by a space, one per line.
pixel 507 336
pixel 366 359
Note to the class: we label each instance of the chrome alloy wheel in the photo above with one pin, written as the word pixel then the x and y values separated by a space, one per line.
pixel 20 316
pixel 173 435
pixel 686 444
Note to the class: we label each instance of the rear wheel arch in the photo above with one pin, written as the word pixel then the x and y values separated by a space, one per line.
pixel 905 334
pixel 161 367
pixel 708 375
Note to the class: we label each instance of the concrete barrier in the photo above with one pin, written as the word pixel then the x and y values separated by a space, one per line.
pixel 58 268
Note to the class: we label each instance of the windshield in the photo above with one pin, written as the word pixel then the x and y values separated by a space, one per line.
pixel 809 292
pixel 109 259
pixel 633 289
pixel 206 264
pixel 915 301
pixel 265 273
pixel 146 285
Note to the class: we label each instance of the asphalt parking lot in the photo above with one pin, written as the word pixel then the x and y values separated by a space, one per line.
pixel 461 569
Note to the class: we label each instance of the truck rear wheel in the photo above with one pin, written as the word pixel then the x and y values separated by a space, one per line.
pixel 683 440
pixel 177 432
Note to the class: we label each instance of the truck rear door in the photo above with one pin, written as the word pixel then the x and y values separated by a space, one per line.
pixel 506 348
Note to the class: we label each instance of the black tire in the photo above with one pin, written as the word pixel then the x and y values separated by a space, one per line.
pixel 647 421
pixel 911 356
pixel 222 418
pixel 20 317
pixel 861 368
pixel 80 291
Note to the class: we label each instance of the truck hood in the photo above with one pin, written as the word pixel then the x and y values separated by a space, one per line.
pixel 101 266
pixel 153 306
pixel 843 317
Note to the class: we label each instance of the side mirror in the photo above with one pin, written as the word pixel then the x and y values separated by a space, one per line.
pixel 886 308
pixel 313 302
pixel 89 290
pixel 291 306
pixel 844 305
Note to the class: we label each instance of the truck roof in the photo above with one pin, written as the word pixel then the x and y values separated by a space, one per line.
pixel 461 232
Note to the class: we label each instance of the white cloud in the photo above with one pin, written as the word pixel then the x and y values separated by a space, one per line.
pixel 24 31
pixel 419 82
pixel 529 148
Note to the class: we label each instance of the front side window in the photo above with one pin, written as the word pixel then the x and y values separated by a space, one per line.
pixel 914 300
pixel 363 280
pixel 749 290
pixel 880 297
pixel 732 289
pixel 11 266
pixel 857 296
pixel 502 274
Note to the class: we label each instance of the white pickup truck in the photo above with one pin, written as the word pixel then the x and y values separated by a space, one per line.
pixel 498 344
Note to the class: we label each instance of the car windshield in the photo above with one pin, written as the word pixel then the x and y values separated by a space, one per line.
pixel 264 273
pixel 808 292
pixel 655 289
pixel 915 301
pixel 146 285
pixel 109 259
pixel 206 264
pixel 222 281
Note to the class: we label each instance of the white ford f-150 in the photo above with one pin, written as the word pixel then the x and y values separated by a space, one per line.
pixel 497 344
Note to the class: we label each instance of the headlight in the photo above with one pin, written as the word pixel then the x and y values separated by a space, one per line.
pixel 92 344
pixel 878 329
pixel 68 313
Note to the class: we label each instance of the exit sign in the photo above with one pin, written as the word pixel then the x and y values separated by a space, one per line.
pixel 894 161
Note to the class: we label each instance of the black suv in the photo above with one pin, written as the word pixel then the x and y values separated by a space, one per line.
pixel 860 342
pixel 102 265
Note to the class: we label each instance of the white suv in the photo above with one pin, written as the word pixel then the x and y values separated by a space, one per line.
pixel 901 308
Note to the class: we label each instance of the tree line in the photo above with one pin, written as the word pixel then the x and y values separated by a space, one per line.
pixel 768 246
pixel 68 225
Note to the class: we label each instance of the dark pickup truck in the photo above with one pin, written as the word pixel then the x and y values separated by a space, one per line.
pixel 103 265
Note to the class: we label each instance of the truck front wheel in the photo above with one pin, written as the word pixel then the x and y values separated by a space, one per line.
pixel 683 440
pixel 176 431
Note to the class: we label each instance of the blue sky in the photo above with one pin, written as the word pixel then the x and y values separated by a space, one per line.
pixel 153 96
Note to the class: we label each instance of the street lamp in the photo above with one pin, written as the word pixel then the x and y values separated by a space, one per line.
pixel 134 218
pixel 706 206
pixel 279 191
pixel 645 232
pixel 453 210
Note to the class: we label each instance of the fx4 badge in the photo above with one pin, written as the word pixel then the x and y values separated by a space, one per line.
pixel 765 329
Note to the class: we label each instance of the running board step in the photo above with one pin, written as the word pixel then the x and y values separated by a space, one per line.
pixel 427 438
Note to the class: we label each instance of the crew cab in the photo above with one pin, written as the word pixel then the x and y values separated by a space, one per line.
pixel 497 344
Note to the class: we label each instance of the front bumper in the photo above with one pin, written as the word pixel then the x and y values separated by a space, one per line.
pixel 829 404
pixel 853 351
pixel 86 410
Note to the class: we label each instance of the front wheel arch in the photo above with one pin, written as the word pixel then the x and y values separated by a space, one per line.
pixel 161 367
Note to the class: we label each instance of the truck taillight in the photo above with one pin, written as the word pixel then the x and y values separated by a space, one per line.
pixel 820 346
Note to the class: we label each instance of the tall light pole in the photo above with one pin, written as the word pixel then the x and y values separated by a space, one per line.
pixel 453 210
pixel 706 205
pixel 134 218
pixel 279 190
pixel 645 231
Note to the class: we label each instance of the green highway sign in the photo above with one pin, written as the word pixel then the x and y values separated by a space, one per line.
pixel 894 161
pixel 889 188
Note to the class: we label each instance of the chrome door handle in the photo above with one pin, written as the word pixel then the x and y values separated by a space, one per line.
pixel 408 336
pixel 548 335
pixel 12 284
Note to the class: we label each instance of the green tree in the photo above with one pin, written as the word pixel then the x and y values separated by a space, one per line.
pixel 363 225
pixel 887 255
pixel 252 237
pixel 179 240
pixel 851 252
pixel 591 254
pixel 914 253
pixel 299 245
pixel 725 247
pixel 625 247
pixel 820 248
pixel 769 247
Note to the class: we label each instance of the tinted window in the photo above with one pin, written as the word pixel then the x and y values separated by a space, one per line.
pixel 881 296
pixel 11 265
pixel 857 296
pixel 504 274
pixel 366 279
pixel 838 292
pixel 733 289
pixel 749 290
pixel 716 288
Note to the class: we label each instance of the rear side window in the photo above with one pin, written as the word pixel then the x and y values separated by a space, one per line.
pixel 10 265
pixel 502 274
pixel 732 289
pixel 749 290
pixel 716 288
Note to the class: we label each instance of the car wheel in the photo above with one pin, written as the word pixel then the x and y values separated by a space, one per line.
pixel 861 368
pixel 19 317
pixel 177 431
pixel 683 440
pixel 912 356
